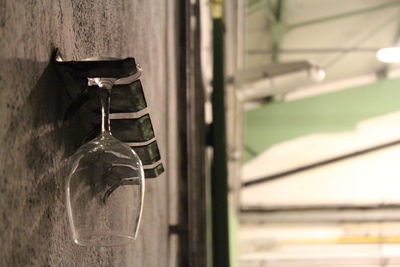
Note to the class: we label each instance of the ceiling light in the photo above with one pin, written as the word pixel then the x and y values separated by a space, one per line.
pixel 389 54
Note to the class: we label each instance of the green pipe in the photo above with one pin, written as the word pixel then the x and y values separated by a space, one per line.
pixel 219 172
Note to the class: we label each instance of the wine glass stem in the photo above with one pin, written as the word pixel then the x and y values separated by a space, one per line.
pixel 105 110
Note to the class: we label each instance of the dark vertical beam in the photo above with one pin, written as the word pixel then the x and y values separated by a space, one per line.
pixel 219 173
pixel 183 82
pixel 197 220
pixel 192 229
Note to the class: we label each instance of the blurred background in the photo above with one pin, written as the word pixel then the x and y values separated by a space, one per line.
pixel 313 137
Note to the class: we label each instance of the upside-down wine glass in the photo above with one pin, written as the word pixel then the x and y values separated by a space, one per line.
pixel 105 188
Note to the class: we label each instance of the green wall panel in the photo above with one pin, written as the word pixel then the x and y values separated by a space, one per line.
pixel 333 112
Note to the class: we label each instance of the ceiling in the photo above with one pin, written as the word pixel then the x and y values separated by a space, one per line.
pixel 340 36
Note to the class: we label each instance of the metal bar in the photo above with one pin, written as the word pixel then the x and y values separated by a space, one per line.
pixel 321 213
pixel 315 50
pixel 251 3
pixel 322 216
pixel 250 150
pixel 344 15
pixel 250 75
pixel 318 208
pixel 277 28
pixel 279 10
pixel 372 32
pixel 271 16
pixel 319 164
pixel 256 7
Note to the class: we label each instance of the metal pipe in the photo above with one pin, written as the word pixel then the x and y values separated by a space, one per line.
pixel 305 208
pixel 315 50
pixel 319 164
pixel 336 213
pixel 251 8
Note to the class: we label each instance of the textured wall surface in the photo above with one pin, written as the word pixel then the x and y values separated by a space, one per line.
pixel 34 146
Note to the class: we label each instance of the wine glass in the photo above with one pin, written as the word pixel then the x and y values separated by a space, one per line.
pixel 105 189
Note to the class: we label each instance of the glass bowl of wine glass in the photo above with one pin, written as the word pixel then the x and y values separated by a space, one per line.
pixel 105 188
